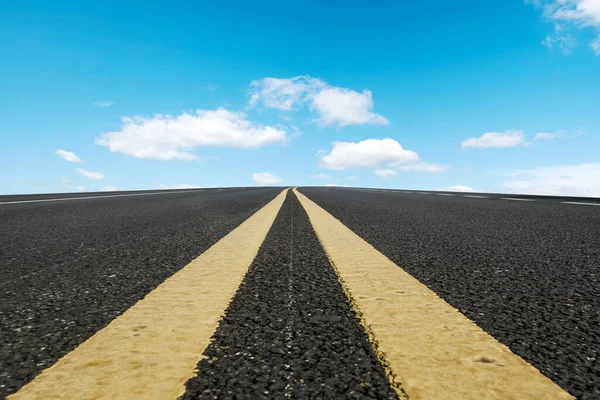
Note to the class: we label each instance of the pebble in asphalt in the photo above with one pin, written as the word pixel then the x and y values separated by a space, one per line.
pixel 290 330
pixel 526 272
pixel 70 267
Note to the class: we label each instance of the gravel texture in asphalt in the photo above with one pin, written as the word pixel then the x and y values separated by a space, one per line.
pixel 290 331
pixel 526 272
pixel 68 268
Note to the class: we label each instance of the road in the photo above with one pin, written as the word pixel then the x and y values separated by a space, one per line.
pixel 524 269
pixel 70 267
pixel 527 272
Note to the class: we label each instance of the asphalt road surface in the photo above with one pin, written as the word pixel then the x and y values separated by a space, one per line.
pixel 527 272
pixel 69 267
pixel 525 269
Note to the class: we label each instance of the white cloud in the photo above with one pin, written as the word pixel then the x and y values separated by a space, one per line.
pixel 509 138
pixel 385 173
pixel 103 103
pixel 91 175
pixel 266 178
pixel 566 180
pixel 342 107
pixel 567 15
pixel 164 137
pixel 424 167
pixel 333 105
pixel 385 155
pixel 109 189
pixel 67 155
pixel 181 186
pixel 580 12
pixel 322 176
pixel 456 188
pixel 352 178
pixel 211 87
pixel 370 153
pixel 80 188
pixel 66 180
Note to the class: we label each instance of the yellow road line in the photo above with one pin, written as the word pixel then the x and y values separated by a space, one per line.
pixel 152 349
pixel 434 351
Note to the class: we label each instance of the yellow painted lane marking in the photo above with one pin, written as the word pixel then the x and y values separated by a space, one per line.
pixel 434 351
pixel 152 349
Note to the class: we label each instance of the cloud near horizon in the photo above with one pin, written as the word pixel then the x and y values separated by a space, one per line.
pixel 266 178
pixel 381 154
pixel 565 180
pixel 456 188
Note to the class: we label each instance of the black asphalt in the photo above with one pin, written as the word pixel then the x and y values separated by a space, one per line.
pixel 290 332
pixel 526 272
pixel 67 268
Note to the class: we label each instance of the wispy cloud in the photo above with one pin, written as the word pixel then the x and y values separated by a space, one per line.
pixel 562 134
pixel 103 103
pixel 424 167
pixel 565 43
pixel 212 87
pixel 69 156
pixel 595 45
pixel 544 135
pixel 385 173
pixel 569 16
pixel 97 176
pixel 109 189
pixel 509 138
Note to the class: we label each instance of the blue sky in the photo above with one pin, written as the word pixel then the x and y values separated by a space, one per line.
pixel 500 96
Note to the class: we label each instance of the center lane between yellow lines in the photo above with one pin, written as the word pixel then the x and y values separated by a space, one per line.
pixel 432 350
pixel 151 350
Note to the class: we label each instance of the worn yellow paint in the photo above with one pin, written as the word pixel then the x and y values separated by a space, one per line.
pixel 151 350
pixel 434 351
